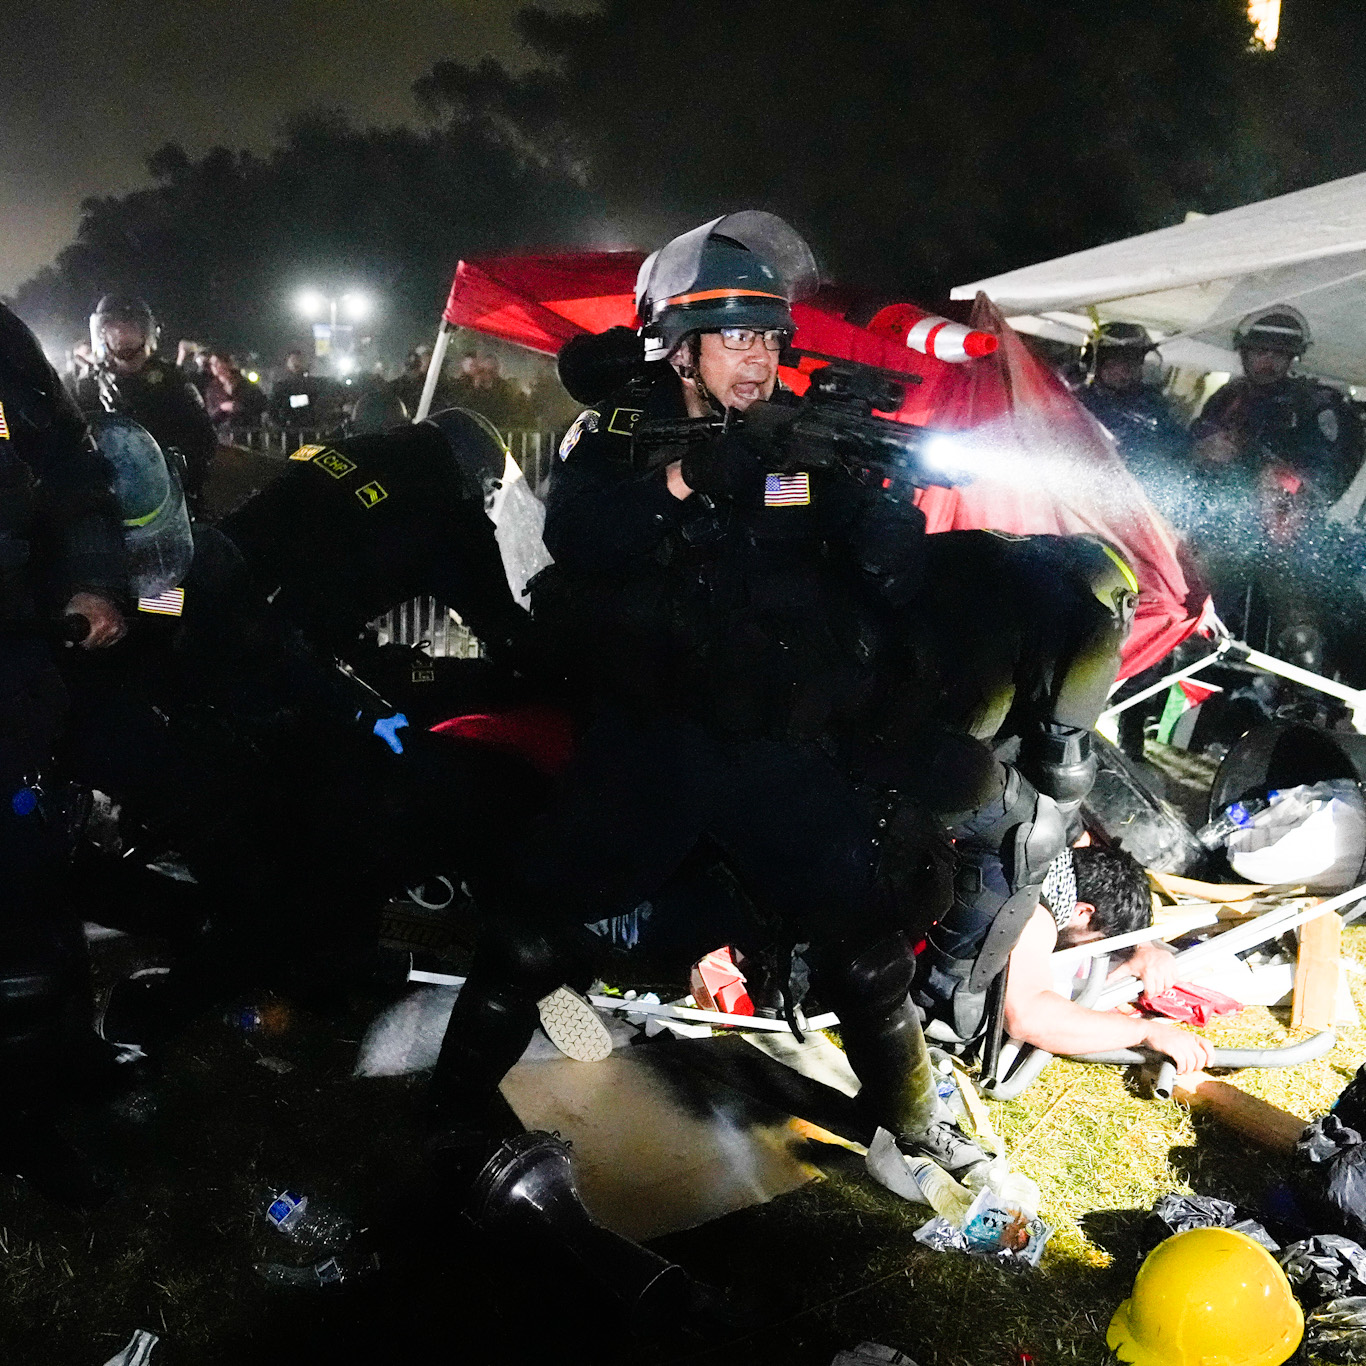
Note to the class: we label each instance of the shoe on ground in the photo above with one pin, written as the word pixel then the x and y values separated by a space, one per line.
pixel 945 1143
pixel 574 1026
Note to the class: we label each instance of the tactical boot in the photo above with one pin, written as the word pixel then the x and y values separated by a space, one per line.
pixel 946 1144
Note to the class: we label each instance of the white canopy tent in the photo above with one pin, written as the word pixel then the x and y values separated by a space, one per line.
pixel 1190 284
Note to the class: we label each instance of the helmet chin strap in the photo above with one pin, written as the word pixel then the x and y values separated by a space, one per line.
pixel 690 371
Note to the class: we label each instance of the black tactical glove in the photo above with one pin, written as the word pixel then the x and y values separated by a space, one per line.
pixel 729 466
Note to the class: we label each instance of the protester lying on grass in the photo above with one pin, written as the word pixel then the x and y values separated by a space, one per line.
pixel 1109 895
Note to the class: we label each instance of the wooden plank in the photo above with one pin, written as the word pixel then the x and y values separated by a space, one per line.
pixel 1316 973
pixel 1206 891
pixel 1264 1124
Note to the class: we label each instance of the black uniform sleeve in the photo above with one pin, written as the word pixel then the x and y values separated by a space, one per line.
pixel 187 426
pixel 600 514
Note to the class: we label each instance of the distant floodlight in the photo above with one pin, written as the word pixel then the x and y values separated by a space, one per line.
pixel 311 303
pixel 357 306
pixel 345 364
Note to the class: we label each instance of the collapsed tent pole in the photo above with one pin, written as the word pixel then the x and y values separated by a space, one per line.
pixel 1232 651
pixel 443 341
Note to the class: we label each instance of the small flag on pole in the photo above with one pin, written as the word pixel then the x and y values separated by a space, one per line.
pixel 171 603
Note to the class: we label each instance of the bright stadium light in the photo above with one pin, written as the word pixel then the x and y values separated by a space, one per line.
pixel 311 303
pixel 357 306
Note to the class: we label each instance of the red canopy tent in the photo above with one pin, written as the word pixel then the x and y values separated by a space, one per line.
pixel 1046 466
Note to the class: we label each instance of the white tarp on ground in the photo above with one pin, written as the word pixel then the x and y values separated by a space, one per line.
pixel 1195 280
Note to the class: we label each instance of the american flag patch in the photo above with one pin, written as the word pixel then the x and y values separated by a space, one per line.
pixel 171 603
pixel 787 490
pixel 4 426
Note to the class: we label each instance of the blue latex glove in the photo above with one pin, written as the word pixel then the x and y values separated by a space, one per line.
pixel 387 728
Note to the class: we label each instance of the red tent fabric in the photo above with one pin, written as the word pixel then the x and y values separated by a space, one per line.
pixel 1042 462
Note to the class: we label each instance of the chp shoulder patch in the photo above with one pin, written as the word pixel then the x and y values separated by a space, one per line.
pixel 335 463
pixel 307 452
pixel 587 421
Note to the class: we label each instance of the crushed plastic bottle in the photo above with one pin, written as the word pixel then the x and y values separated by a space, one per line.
pixel 1235 816
pixel 330 1273
pixel 942 1193
pixel 306 1219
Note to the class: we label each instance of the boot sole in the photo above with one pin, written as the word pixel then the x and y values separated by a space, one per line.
pixel 574 1027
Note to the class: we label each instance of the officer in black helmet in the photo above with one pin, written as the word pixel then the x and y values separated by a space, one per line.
pixel 1270 416
pixel 1273 451
pixel 129 377
pixel 1146 431
pixel 60 552
pixel 357 527
pixel 730 618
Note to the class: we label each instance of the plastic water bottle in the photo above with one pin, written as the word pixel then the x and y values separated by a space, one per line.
pixel 324 1275
pixel 942 1193
pixel 1235 816
pixel 308 1220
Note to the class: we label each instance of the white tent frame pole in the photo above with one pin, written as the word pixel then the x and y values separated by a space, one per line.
pixel 443 341
pixel 1234 652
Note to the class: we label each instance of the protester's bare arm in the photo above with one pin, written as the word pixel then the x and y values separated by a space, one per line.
pixel 1036 1014
pixel 1153 964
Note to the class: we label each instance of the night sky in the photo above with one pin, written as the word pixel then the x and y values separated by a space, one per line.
pixel 89 89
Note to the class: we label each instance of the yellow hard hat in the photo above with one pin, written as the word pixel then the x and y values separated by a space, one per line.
pixel 1208 1297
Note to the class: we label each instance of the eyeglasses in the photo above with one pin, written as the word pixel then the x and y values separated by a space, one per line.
pixel 742 338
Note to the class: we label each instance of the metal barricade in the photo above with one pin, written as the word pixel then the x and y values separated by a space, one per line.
pixel 424 621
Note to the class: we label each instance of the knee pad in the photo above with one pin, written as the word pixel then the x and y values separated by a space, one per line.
pixel 873 982
pixel 1060 761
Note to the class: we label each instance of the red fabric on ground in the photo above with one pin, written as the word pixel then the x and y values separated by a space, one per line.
pixel 1190 1004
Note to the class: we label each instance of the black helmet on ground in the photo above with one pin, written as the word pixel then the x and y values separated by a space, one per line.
pixel 740 270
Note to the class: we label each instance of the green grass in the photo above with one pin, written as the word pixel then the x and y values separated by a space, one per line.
pixel 831 1264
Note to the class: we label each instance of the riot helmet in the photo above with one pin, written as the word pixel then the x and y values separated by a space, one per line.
pixel 474 441
pixel 740 270
pixel 146 487
pixel 1129 342
pixel 123 330
pixel 1278 328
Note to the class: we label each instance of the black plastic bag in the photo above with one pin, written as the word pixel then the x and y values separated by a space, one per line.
pixel 1337 1332
pixel 1178 1213
pixel 1334 1161
pixel 1325 1267
pixel 1350 1106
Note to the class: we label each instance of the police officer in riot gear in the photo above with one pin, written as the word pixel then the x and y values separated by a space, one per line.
pixel 731 619
pixel 1274 451
pixel 987 720
pixel 358 526
pixel 1146 431
pixel 129 377
pixel 60 552
pixel 1267 415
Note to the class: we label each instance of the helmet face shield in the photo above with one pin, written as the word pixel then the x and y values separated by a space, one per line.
pixel 1281 329
pixel 122 329
pixel 740 270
